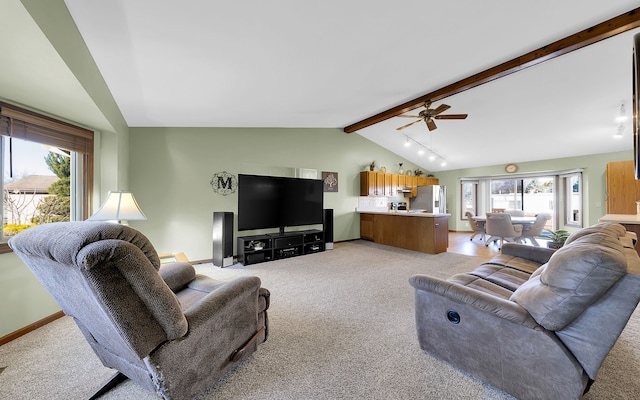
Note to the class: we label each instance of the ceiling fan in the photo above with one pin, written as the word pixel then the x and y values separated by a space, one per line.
pixel 429 114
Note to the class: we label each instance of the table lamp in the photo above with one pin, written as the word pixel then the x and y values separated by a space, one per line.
pixel 119 206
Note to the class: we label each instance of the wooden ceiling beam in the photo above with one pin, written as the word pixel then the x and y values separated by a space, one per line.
pixel 614 26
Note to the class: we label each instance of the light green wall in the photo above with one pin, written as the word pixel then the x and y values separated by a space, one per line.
pixel 594 182
pixel 171 170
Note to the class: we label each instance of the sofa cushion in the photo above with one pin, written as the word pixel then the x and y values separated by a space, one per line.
pixel 509 278
pixel 482 285
pixel 519 263
pixel 574 278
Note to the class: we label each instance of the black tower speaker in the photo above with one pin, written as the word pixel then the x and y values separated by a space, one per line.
pixel 222 239
pixel 327 223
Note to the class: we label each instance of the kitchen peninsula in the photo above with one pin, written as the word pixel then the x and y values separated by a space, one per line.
pixel 419 231
pixel 631 223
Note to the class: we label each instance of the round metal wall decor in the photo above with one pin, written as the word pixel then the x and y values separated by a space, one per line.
pixel 224 183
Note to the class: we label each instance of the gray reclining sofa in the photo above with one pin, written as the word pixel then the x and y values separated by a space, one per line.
pixel 534 322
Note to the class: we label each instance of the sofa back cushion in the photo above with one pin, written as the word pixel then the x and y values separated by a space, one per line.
pixel 610 228
pixel 573 279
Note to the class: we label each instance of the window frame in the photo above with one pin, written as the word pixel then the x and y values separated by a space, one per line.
pixel 46 130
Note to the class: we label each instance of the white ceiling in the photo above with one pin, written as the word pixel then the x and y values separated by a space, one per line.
pixel 287 63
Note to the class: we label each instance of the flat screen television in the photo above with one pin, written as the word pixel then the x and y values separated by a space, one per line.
pixel 277 202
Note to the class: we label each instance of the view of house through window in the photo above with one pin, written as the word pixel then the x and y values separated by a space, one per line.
pixel 36 184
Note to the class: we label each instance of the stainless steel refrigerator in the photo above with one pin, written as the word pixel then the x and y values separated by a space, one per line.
pixel 431 199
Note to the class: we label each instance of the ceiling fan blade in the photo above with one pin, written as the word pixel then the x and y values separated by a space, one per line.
pixel 431 125
pixel 408 125
pixel 451 116
pixel 409 116
pixel 440 108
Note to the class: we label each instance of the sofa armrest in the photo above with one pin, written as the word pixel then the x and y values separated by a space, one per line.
pixel 221 324
pixel 238 298
pixel 477 299
pixel 177 275
pixel 537 254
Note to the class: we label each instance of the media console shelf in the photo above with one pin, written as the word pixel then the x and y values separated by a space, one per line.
pixel 276 246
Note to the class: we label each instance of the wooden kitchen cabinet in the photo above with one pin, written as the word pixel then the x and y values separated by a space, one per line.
pixel 366 226
pixel 427 181
pixel 622 188
pixel 375 183
pixel 412 232
pixel 371 183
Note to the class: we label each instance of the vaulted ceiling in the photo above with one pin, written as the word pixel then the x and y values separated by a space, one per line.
pixel 293 64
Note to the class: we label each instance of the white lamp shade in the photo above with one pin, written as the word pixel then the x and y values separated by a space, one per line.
pixel 119 206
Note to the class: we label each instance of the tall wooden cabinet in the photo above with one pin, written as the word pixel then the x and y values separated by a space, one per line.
pixel 622 188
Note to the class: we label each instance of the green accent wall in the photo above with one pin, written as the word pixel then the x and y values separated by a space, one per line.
pixel 171 171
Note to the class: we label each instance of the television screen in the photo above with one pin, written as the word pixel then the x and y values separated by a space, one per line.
pixel 276 202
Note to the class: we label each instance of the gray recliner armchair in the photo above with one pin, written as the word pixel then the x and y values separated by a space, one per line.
pixel 166 328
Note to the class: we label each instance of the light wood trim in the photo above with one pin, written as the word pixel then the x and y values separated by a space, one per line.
pixel 622 23
pixel 31 327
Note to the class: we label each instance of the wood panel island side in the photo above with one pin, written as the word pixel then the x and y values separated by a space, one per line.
pixel 425 232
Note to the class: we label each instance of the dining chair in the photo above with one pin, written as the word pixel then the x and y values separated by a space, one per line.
pixel 515 213
pixel 499 226
pixel 477 226
pixel 531 231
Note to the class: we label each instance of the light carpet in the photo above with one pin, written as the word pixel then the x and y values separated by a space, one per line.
pixel 341 327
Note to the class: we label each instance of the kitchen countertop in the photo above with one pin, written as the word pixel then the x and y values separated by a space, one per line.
pixel 621 218
pixel 404 213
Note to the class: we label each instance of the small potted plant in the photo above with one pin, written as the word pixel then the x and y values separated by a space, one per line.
pixel 372 165
pixel 557 238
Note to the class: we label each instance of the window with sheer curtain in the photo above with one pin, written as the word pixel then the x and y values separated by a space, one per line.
pixel 46 168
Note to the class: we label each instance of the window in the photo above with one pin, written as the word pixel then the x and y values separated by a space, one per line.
pixel 469 193
pixel 573 199
pixel 47 170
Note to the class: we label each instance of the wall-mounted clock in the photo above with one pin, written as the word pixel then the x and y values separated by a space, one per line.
pixel 511 168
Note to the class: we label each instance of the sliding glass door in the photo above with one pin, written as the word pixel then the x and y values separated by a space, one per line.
pixel 531 195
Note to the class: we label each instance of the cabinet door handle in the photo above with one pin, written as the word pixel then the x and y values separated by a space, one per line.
pixel 437 225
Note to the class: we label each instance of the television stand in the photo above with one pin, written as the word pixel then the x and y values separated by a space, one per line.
pixel 276 246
